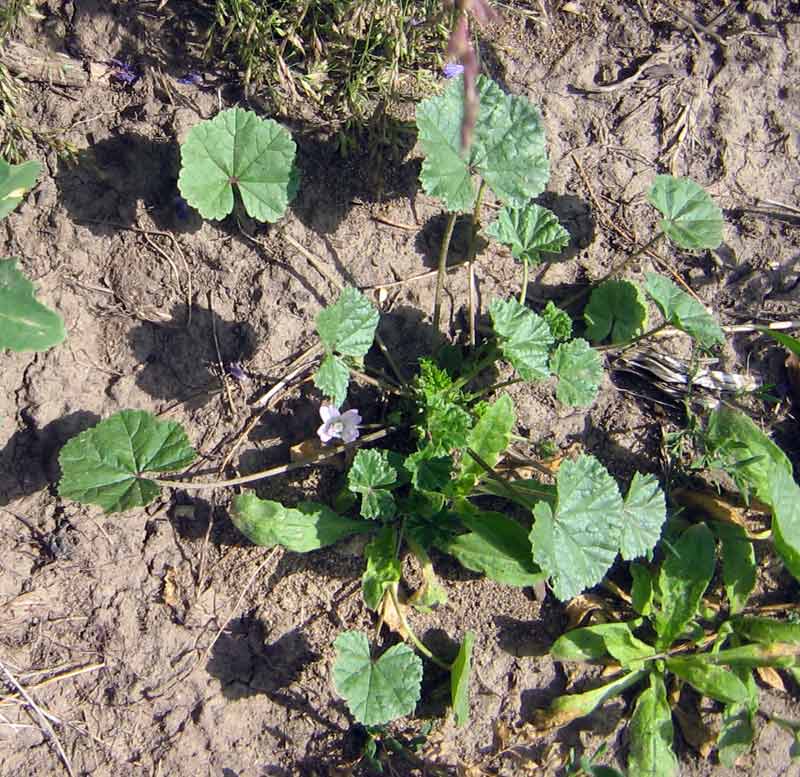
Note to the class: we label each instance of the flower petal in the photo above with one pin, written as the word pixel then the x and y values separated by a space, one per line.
pixel 324 433
pixel 328 412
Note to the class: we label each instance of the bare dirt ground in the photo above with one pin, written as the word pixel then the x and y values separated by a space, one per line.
pixel 108 620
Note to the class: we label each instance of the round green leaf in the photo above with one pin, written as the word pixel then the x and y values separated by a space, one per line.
pixel 379 691
pixel 370 475
pixel 580 372
pixel 530 231
pixel 618 309
pixel 691 218
pixel 237 148
pixel 104 465
pixel 25 324
pixel 523 337
pixel 643 513
pixel 15 181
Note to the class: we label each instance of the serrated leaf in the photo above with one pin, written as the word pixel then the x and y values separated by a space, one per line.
pixel 237 149
pixel 105 465
pixel 332 378
pixel 616 309
pixel 488 439
pixel 651 732
pixel 530 231
pixel 683 311
pixel 301 529
pixel 523 337
pixel 716 682
pixel 580 372
pixel 496 546
pixel 692 220
pixel 643 514
pixel 348 326
pixel 378 691
pixel 383 567
pixel 567 708
pixel 784 496
pixel 370 475
pixel 429 473
pixel 593 642
pixel 576 543
pixel 766 630
pixel 459 680
pixel 641 589
pixel 15 181
pixel 25 324
pixel 738 564
pixel 682 581
pixel 507 150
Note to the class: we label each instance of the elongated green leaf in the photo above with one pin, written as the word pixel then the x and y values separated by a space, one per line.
pixel 643 514
pixel 507 150
pixel 523 337
pixel 784 496
pixel 593 642
pixel 783 655
pixel 734 438
pixel 791 344
pixel 616 309
pixel 383 567
pixel 716 682
pixel 530 231
pixel 691 218
pixel 683 311
pixel 766 630
pixel 651 753
pixel 738 722
pixel 682 581
pixel 576 543
pixel 580 372
pixel 379 691
pixel 25 324
pixel 15 181
pixel 642 589
pixel 459 679
pixel 237 149
pixel 738 564
pixel 370 475
pixel 488 439
pixel 348 326
pixel 567 708
pixel 332 378
pixel 301 529
pixel 105 464
pixel 496 546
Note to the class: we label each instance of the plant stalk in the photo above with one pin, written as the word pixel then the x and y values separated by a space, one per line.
pixel 437 302
pixel 473 236
pixel 523 293
pixel 412 636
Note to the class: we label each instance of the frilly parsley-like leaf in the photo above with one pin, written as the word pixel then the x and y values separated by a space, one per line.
pixel 378 691
pixel 507 151
pixel 370 475
pixel 559 322
pixel 684 312
pixel 616 308
pixel 580 372
pixel 530 231
pixel 301 529
pixel 237 149
pixel 576 543
pixel 691 218
pixel 445 427
pixel 643 514
pixel 105 464
pixel 25 324
pixel 523 337
pixel 15 181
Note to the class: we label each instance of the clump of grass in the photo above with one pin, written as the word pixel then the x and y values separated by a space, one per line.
pixel 345 57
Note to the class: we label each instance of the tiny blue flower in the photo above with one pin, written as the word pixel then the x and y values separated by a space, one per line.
pixel 452 69
pixel 193 79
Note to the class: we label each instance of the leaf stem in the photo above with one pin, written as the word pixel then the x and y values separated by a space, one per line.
pixel 412 636
pixel 493 387
pixel 630 343
pixel 523 293
pixel 188 485
pixel 437 301
pixel 473 237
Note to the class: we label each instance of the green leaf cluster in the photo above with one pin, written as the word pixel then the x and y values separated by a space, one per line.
pixel 346 329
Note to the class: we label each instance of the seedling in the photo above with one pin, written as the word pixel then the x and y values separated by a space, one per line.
pixel 669 640
pixel 239 152
pixel 25 324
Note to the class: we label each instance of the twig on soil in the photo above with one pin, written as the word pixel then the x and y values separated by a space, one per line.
pixel 222 379
pixel 694 24
pixel 396 224
pixel 418 277
pixel 55 679
pixel 44 717
pixel 777 326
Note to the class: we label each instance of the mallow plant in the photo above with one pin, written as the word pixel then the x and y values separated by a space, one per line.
pixel 450 431
pixel 25 324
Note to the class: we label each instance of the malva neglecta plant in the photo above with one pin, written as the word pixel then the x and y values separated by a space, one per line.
pixel 452 426
pixel 25 324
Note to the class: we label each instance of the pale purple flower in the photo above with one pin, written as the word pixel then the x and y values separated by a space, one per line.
pixel 452 69
pixel 336 424
pixel 124 73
